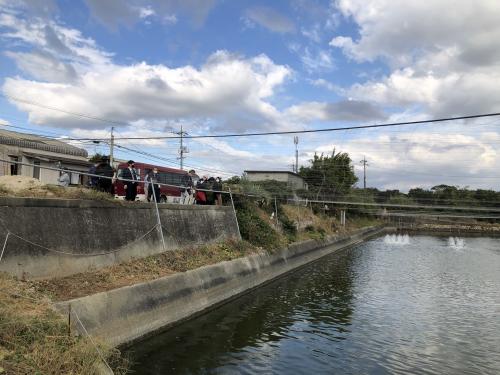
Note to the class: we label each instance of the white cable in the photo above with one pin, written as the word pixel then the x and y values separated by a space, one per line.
pixel 92 341
pixel 4 244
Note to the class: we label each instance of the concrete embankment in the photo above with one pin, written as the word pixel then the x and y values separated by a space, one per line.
pixel 59 237
pixel 453 229
pixel 126 314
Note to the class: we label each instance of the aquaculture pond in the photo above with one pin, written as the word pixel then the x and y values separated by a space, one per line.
pixel 396 304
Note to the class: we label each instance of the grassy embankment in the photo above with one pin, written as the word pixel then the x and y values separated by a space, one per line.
pixel 54 191
pixel 34 338
pixel 260 234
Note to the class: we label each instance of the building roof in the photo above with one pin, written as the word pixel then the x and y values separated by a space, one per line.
pixel 36 142
pixel 283 172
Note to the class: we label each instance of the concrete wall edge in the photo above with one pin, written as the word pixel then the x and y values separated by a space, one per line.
pixel 128 314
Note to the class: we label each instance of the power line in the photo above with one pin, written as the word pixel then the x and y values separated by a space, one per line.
pixel 402 123
pixel 318 130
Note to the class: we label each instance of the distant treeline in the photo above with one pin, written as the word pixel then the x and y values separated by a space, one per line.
pixel 443 195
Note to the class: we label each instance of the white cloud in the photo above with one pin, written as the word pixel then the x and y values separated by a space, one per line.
pixel 4 122
pixel 320 82
pixel 447 62
pixel 225 85
pixel 44 66
pixel 52 38
pixel 269 18
pixel 317 60
pixel 404 161
pixel 170 19
pixel 115 13
pixel 145 12
pixel 313 33
pixel 347 110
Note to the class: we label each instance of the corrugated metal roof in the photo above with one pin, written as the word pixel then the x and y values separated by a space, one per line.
pixel 36 142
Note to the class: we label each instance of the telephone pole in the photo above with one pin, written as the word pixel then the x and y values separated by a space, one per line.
pixel 296 142
pixel 182 149
pixel 364 162
pixel 111 145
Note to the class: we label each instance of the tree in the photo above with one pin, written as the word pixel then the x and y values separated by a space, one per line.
pixel 329 176
pixel 97 158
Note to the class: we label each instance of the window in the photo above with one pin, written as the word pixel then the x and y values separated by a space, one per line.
pixel 14 167
pixel 75 178
pixel 36 169
pixel 170 178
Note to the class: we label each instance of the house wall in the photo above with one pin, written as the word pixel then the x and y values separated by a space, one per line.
pixel 294 181
pixel 47 176
pixel 282 177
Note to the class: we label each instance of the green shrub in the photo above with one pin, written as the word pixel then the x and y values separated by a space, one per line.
pixel 255 230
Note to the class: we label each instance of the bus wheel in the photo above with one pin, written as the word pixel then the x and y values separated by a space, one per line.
pixel 163 199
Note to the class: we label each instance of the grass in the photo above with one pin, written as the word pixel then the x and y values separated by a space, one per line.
pixel 34 338
pixel 54 191
pixel 141 270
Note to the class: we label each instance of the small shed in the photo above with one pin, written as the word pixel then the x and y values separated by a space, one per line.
pixel 40 152
pixel 292 179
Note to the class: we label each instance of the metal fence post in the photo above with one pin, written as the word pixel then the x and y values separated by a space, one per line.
pixel 234 210
pixel 276 212
pixel 4 245
pixel 160 228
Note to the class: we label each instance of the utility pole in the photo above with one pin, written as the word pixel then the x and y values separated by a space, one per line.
pixel 111 145
pixel 296 141
pixel 182 150
pixel 364 163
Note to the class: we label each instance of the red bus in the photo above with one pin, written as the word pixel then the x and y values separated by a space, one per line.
pixel 169 176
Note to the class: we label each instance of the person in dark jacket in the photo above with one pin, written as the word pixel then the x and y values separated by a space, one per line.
pixel 105 170
pixel 218 187
pixel 93 179
pixel 152 180
pixel 130 173
pixel 210 193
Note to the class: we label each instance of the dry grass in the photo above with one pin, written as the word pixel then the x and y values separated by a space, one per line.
pixel 141 270
pixel 304 216
pixel 54 191
pixel 34 338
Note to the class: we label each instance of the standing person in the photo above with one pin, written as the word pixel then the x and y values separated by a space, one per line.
pixel 64 179
pixel 201 197
pixel 152 180
pixel 209 185
pixel 187 185
pixel 218 189
pixel 93 179
pixel 130 186
pixel 194 181
pixel 104 183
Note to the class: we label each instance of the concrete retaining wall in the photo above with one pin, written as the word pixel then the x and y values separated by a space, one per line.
pixel 127 314
pixel 95 227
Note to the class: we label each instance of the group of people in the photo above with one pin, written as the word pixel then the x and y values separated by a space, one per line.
pixel 205 190
pixel 104 183
pixel 194 190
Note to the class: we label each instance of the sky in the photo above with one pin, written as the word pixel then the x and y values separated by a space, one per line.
pixel 76 68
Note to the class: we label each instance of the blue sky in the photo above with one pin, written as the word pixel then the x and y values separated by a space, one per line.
pixel 240 66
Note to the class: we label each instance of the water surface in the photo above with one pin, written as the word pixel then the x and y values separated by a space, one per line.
pixel 426 305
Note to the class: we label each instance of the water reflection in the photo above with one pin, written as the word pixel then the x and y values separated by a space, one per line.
pixel 380 308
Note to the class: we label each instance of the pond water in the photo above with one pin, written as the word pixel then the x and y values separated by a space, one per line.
pixel 396 304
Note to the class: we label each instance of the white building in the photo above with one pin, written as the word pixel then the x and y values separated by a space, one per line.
pixel 292 179
pixel 40 152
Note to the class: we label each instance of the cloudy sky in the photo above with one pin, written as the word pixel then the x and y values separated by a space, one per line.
pixel 77 68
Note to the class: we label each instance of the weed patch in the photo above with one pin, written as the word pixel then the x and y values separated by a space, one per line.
pixel 34 338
